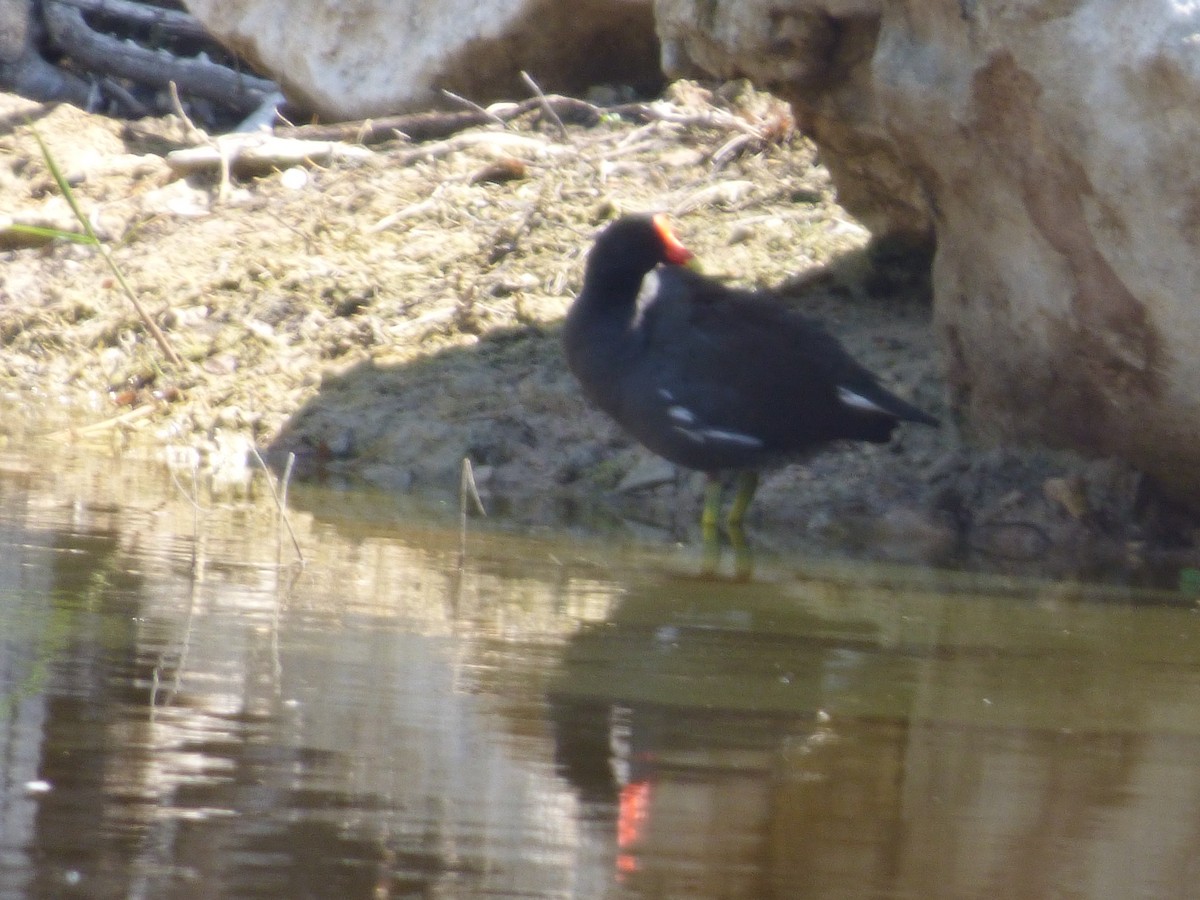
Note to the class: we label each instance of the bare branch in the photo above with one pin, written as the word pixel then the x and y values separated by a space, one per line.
pixel 22 69
pixel 172 21
pixel 424 126
pixel 255 152
pixel 545 104
pixel 102 53
pixel 33 77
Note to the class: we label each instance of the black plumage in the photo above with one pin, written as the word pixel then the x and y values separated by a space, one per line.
pixel 711 377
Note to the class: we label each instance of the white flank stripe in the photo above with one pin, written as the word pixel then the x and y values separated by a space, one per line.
pixel 681 415
pixel 730 437
pixel 857 401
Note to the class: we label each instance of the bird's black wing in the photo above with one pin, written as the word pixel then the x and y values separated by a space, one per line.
pixel 739 367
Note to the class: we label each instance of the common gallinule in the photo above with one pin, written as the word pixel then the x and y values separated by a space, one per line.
pixel 711 377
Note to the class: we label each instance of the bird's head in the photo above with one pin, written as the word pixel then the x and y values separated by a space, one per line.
pixel 632 246
pixel 673 251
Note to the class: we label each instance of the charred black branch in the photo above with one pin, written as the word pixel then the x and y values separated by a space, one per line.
pixel 125 59
pixel 169 21
pixel 118 55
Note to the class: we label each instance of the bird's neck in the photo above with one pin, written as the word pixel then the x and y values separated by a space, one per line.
pixel 613 287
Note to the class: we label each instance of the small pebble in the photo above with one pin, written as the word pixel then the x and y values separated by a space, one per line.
pixel 295 178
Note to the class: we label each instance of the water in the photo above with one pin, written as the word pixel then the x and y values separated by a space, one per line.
pixel 186 714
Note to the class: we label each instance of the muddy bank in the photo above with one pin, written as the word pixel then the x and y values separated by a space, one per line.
pixel 384 317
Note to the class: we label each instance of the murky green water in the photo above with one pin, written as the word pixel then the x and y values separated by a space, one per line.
pixel 186 715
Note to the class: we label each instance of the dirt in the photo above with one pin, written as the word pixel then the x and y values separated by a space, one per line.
pixel 385 317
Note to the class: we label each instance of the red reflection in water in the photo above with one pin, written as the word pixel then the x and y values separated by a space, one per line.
pixel 633 810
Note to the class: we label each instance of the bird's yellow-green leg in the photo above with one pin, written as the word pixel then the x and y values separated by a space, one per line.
pixel 708 520
pixel 711 514
pixel 709 517
pixel 743 560
pixel 747 484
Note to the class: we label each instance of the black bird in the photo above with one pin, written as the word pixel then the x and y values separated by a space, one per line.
pixel 711 377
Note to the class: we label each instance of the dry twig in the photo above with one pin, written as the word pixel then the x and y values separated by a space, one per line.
pixel 258 152
pixel 545 104
pixel 424 126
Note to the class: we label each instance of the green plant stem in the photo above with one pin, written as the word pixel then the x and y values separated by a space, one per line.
pixel 93 238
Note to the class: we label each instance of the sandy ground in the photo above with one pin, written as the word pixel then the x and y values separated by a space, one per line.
pixel 384 317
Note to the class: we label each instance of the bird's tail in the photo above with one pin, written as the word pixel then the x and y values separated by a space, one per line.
pixel 873 399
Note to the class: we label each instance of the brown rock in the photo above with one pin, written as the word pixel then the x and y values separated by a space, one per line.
pixel 1045 147
pixel 353 60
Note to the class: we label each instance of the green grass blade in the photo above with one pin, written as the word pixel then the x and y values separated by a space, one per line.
pixel 64 185
pixel 50 233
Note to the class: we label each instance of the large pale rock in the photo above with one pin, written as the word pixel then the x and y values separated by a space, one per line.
pixel 1049 147
pixel 350 59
